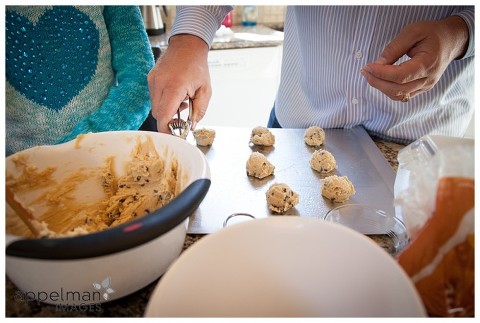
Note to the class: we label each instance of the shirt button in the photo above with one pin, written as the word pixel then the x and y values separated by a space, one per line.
pixel 354 101
pixel 358 54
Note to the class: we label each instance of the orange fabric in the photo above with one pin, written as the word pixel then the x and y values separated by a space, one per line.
pixel 449 289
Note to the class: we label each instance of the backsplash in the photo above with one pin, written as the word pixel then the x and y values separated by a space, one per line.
pixel 271 16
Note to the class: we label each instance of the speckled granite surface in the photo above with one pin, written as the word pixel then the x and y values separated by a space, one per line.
pixel 130 306
pixel 133 305
pixel 390 151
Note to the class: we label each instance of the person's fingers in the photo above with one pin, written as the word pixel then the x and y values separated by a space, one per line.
pixel 168 105
pixel 154 94
pixel 183 106
pixel 400 45
pixel 200 104
pixel 405 72
pixel 395 91
pixel 415 93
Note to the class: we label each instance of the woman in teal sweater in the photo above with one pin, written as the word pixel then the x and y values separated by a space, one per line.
pixel 72 70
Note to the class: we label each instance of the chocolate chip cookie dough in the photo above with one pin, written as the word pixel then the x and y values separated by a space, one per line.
pixel 148 184
pixel 314 136
pixel 204 136
pixel 323 161
pixel 261 136
pixel 258 166
pixel 337 188
pixel 281 198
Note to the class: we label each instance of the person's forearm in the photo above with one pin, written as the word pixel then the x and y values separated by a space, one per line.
pixel 190 42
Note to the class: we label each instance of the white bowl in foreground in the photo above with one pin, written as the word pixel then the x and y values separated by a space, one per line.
pixel 285 267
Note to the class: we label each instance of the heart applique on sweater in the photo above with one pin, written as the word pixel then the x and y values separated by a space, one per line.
pixel 51 61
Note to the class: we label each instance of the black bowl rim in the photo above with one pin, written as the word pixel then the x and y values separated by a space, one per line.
pixel 119 238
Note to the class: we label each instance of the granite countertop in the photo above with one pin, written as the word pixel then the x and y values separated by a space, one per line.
pixel 234 37
pixel 133 305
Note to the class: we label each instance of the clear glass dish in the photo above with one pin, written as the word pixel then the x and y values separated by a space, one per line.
pixel 388 231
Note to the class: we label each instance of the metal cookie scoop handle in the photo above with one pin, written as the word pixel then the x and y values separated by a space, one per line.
pixel 179 127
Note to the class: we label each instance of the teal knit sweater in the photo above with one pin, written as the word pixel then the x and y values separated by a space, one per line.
pixel 72 70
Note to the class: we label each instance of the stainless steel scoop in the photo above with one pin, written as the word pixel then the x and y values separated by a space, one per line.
pixel 179 127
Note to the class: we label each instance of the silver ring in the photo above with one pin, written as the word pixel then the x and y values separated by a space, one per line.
pixel 234 215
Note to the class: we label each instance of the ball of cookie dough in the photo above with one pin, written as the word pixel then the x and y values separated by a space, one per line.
pixel 323 161
pixel 314 136
pixel 261 136
pixel 258 166
pixel 337 188
pixel 281 198
pixel 204 136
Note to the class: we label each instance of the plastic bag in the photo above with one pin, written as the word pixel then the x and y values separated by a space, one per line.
pixel 434 194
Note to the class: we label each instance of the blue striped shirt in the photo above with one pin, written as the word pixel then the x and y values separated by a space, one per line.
pixel 320 80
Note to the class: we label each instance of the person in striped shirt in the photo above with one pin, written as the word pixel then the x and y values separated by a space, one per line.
pixel 401 72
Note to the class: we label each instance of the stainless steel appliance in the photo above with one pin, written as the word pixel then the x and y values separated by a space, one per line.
pixel 152 19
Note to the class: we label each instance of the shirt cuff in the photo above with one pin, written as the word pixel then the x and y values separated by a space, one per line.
pixel 201 21
pixel 469 17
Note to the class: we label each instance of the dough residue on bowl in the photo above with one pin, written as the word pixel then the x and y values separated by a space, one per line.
pixel 149 183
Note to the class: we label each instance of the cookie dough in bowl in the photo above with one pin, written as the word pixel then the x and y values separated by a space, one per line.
pixel 148 183
pixel 281 198
pixel 114 187
pixel 337 188
pixel 262 136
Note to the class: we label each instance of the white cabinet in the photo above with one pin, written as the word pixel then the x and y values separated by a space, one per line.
pixel 244 85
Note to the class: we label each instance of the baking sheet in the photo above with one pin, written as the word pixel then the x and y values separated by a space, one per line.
pixel 232 191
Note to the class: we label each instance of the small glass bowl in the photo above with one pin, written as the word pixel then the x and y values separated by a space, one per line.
pixel 388 231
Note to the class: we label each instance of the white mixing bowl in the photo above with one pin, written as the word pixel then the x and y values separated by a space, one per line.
pixel 285 267
pixel 105 265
